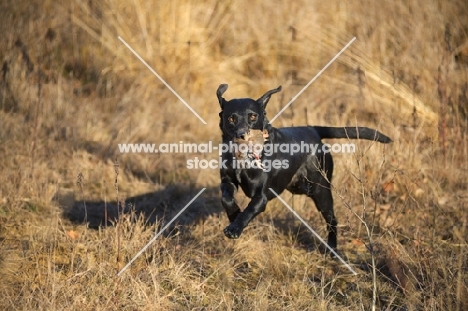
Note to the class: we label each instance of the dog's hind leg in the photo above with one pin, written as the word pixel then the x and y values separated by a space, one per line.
pixel 320 193
pixel 319 190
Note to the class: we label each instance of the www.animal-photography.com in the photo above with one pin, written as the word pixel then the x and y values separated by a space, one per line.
pixel 238 155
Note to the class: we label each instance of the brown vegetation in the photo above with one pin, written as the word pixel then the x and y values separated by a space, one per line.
pixel 73 210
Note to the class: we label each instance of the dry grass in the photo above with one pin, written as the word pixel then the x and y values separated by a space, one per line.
pixel 70 91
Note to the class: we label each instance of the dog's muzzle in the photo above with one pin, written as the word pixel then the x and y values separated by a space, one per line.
pixel 240 134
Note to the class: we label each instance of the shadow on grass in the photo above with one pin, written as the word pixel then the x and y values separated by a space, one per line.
pixel 300 236
pixel 159 206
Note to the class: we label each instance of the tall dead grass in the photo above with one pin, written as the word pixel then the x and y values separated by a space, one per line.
pixel 70 91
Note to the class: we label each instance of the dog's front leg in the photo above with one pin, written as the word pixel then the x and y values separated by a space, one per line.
pixel 228 189
pixel 255 207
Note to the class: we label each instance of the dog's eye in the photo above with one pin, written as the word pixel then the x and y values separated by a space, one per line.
pixel 253 117
pixel 231 119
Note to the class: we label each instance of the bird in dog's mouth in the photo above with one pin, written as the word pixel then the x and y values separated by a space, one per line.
pixel 250 146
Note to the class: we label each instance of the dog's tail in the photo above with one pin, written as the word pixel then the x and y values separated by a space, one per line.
pixel 352 132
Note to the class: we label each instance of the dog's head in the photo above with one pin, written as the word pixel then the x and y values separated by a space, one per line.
pixel 239 116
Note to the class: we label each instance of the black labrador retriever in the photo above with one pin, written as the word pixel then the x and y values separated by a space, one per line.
pixel 303 172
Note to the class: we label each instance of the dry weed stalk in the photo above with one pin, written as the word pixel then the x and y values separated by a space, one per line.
pixel 80 184
pixel 119 214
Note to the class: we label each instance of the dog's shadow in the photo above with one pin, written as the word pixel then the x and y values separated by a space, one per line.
pixel 298 234
pixel 163 205
pixel 159 206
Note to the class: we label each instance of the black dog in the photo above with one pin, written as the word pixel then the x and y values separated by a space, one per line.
pixel 300 173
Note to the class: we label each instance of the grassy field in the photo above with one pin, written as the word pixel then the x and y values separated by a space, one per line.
pixel 74 210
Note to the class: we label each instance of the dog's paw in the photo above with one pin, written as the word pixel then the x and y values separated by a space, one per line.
pixel 233 231
pixel 328 252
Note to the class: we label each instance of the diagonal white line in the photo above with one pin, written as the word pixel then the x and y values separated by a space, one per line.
pixel 160 232
pixel 313 79
pixel 161 79
pixel 312 230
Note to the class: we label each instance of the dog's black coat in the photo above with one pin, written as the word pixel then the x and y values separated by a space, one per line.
pixel 308 174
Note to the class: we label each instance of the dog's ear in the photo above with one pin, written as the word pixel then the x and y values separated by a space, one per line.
pixel 221 89
pixel 266 97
